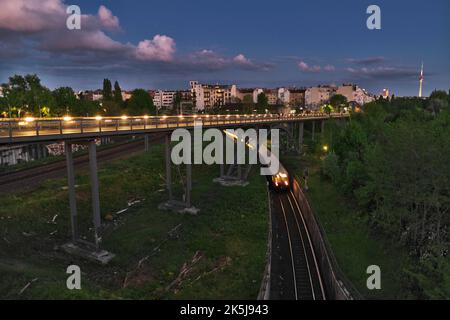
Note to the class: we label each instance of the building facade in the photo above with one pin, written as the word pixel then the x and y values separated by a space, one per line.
pixel 315 97
pixel 164 99
pixel 353 93
pixel 207 96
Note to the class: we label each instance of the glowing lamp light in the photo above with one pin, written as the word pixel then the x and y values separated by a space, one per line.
pixel 124 117
pixel 29 119
pixel 145 117
pixel 67 118
pixel 325 148
pixel 98 118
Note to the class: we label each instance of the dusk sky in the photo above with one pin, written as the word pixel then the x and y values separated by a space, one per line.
pixel 164 44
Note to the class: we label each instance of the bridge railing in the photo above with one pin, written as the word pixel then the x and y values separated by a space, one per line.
pixel 30 127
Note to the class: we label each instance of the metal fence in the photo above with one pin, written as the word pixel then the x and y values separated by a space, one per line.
pixel 264 291
pixel 336 285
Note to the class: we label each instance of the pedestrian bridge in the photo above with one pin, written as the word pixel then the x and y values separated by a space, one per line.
pixel 87 130
pixel 31 130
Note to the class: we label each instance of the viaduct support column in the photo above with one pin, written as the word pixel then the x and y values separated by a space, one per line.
pixel 71 188
pixel 188 185
pixel 168 166
pixel 313 130
pixel 301 129
pixel 95 191
pixel 146 143
pixel 322 129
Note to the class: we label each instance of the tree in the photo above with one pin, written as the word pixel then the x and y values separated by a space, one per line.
pixel 438 101
pixel 327 108
pixel 107 90
pixel 86 108
pixel 117 93
pixel 141 103
pixel 65 101
pixel 4 108
pixel 338 101
pixel 248 104
pixel 26 95
pixel 262 103
pixel 177 102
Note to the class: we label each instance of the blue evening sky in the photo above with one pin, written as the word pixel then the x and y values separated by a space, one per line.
pixel 249 43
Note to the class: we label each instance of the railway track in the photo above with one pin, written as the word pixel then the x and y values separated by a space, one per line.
pixel 28 178
pixel 299 272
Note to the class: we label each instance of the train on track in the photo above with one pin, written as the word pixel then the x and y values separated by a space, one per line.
pixel 280 181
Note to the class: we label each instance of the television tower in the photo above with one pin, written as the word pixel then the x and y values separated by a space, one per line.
pixel 421 81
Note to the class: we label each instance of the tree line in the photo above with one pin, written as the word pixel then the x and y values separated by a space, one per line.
pixel 26 96
pixel 393 162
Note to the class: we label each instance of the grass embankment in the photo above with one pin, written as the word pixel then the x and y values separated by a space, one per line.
pixel 354 247
pixel 228 237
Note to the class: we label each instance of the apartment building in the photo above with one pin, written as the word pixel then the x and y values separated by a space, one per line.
pixel 297 97
pixel 317 96
pixel 126 95
pixel 207 96
pixel 164 99
pixel 353 93
pixel 89 95
pixel 284 96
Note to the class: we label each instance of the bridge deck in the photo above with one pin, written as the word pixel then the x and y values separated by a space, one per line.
pixel 29 130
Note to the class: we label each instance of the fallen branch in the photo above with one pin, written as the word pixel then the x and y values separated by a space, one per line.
pixel 27 285
pixel 185 270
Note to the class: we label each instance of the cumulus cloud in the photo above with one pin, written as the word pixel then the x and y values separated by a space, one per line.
pixel 107 19
pixel 241 59
pixel 38 29
pixel 161 48
pixel 243 62
pixel 303 66
pixel 329 68
pixel 95 40
pixel 31 16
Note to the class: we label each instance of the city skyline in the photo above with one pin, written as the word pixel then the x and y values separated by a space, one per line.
pixel 290 44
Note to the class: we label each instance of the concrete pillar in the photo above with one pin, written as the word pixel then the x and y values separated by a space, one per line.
pixel 39 151
pixel 239 172
pixel 301 129
pixel 222 170
pixel 168 166
pixel 223 159
pixel 95 191
pixel 322 129
pixel 313 130
pixel 71 189
pixel 146 143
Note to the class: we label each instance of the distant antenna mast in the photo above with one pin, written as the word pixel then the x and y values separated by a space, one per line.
pixel 421 81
